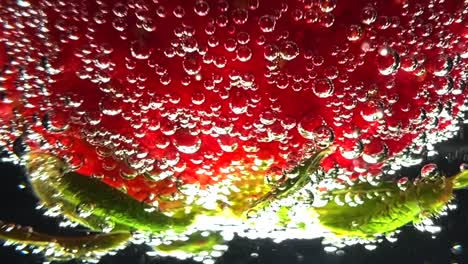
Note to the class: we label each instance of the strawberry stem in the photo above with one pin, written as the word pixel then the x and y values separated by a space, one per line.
pixel 105 205
pixel 64 247
pixel 292 185
pixel 366 211
pixel 460 180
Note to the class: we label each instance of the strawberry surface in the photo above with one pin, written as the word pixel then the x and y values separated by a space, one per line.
pixel 157 97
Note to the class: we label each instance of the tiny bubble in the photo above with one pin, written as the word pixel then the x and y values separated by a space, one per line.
pixel 340 252
pixel 456 249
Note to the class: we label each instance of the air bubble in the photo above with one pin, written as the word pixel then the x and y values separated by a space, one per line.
pixel 274 175
pixel 240 16
pixel 330 249
pixel 230 44
pixel 372 111
pixel 457 249
pixel 191 65
pixel 23 3
pixel 110 106
pixel 323 88
pixel 198 98
pixel 327 5
pixel 267 23
pixel 201 8
pixel 220 62
pixel 429 171
pixel 244 54
pixel 463 166
pixel 243 38
pixel 370 247
pixel 254 255
pixel 327 20
pixel 443 85
pixel 107 226
pixel 149 25
pixel 354 32
pixel 289 50
pixel 227 143
pixel 84 209
pixel 55 122
pixel 368 15
pixel 351 149
pixel 267 118
pixel 308 125
pixel 388 61
pixel 403 183
pixel 374 152
pixel 238 103
pixel 179 12
pixel 120 10
pixel 271 52
pixel 186 143
pixel 323 136
pixel 408 63
pixel 440 65
pixel 139 51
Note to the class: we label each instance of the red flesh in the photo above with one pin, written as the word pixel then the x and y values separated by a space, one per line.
pixel 410 34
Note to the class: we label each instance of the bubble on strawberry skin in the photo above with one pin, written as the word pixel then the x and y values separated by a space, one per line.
pixel 388 61
pixel 368 15
pixel 323 88
pixel 354 32
pixel 307 126
pixel 201 8
pixel 186 143
pixel 267 23
pixel 244 54
pixel 110 106
pixel 288 50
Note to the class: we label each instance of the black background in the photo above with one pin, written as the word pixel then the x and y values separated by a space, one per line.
pixel 415 247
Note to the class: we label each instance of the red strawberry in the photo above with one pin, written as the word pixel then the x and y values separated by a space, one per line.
pixel 157 96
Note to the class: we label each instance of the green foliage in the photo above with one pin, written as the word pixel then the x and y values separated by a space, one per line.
pixel 196 243
pixel 384 208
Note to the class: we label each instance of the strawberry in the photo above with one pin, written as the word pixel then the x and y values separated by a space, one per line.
pixel 175 101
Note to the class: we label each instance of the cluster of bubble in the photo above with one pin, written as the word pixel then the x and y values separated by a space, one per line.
pixel 183 101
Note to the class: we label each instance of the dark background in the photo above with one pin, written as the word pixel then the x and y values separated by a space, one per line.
pixel 415 247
